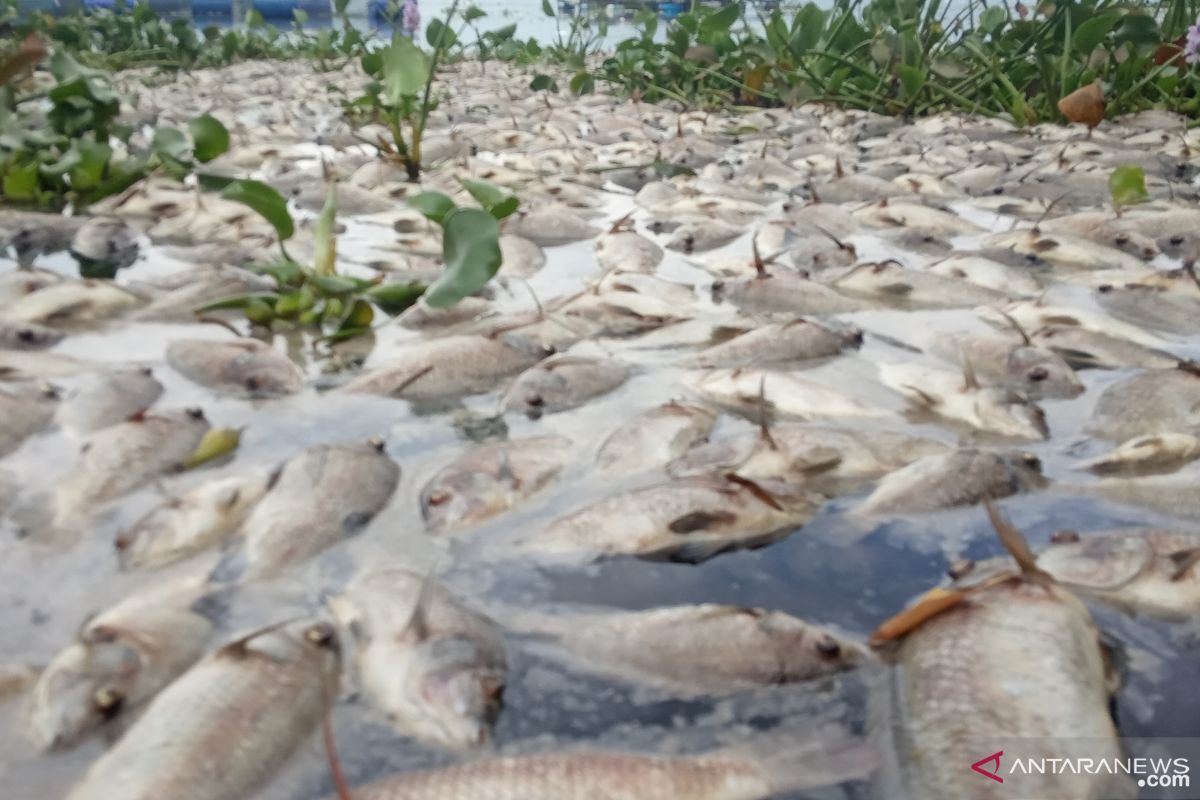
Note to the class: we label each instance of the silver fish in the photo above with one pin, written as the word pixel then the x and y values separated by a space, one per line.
pixel 105 240
pixel 694 650
pixel 1151 402
pixel 550 226
pixel 225 726
pixel 491 479
pixel 962 477
pixel 1173 494
pixel 1013 363
pixel 1154 307
pixel 1086 349
pixel 24 410
pixel 563 382
pixel 244 366
pixel 1062 250
pixel 108 397
pixel 1033 316
pixel 450 367
pixel 786 293
pixel 27 335
pixel 120 659
pixel 521 258
pixel 892 283
pixel 120 458
pixel 893 214
pixel 321 495
pixel 627 251
pixel 71 302
pixel 798 340
pixel 653 438
pixel 751 389
pixel 988 274
pixel 1162 452
pixel 690 519
pixel 192 523
pixel 1148 571
pixel 434 665
pixel 959 397
pixel 697 237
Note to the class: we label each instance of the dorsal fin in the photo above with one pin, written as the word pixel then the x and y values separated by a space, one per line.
pixel 970 380
pixel 418 621
pixel 1016 327
pixel 1015 543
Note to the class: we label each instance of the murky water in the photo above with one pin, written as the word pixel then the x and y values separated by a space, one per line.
pixel 832 571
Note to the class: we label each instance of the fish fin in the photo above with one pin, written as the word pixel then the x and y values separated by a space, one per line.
pixel 970 380
pixel 1016 326
pixel 229 500
pixel 700 520
pixel 764 419
pixel 897 289
pixel 230 568
pixel 792 761
pixel 693 551
pixel 214 605
pixel 922 395
pixel 418 621
pixel 273 478
pixel 1076 359
pixel 927 606
pixel 754 489
pixel 1016 544
pixel 1183 561
pixel 356 522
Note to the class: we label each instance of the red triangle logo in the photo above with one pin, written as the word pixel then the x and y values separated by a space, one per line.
pixel 994 774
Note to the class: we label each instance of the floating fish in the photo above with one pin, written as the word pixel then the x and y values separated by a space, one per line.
pixel 1161 452
pixel 563 382
pixel 25 409
pixel 959 397
pixel 107 397
pixel 652 438
pixel 753 389
pixel 798 340
pixel 961 477
pixel 1148 403
pixel 242 367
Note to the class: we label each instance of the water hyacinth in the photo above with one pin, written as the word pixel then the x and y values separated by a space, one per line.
pixel 1191 49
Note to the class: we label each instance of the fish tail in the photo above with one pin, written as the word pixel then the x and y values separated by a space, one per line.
pixel 794 761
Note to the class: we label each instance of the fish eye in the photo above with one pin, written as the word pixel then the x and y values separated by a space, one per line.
pixel 26 335
pixel 1031 461
pixel 195 413
pixel 376 443
pixel 1176 240
pixel 439 497
pixel 535 400
pixel 961 568
pixel 1122 240
pixel 1038 374
pixel 107 701
pixel 123 541
pixel 828 646
pixel 998 190
pixel 321 635
pixel 549 349
pixel 1064 537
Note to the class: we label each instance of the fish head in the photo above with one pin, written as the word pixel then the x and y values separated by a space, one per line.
pixel 1135 244
pixel 1012 414
pixel 1104 563
pixel 149 541
pixel 86 686
pixel 454 692
pixel 1042 373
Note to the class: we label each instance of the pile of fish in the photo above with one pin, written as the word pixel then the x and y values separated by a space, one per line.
pixel 492 548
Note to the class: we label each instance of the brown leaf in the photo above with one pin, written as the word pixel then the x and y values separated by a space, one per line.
pixel 1085 105
pixel 31 51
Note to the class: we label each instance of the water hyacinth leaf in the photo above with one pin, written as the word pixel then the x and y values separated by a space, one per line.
pixel 434 205
pixel 255 19
pixel 543 83
pixel 358 318
pixel 471 250
pixel 259 312
pixel 285 273
pixel 991 19
pixel 237 302
pixel 440 35
pixel 266 201
pixel 807 28
pixel 217 442
pixel 1138 29
pixel 68 161
pixel 547 9
pixel 721 20
pixel 340 6
pixel 495 200
pixel 405 70
pixel 1091 32
pixel 170 142
pixel 372 63
pixel 582 82
pixel 300 16
pixel 950 68
pixel 324 238
pixel 1127 185
pixel 393 298
pixel 335 285
pixel 473 13
pixel 912 80
pixel 97 268
pixel 21 182
pixel 209 136
pixel 288 306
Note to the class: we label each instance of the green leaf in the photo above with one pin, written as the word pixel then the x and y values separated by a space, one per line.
pixel 471 250
pixel 547 9
pixel 721 20
pixel 266 201
pixel 65 163
pixel 21 182
pixel 807 28
pixel 473 13
pixel 439 35
pixel 434 205
pixel 395 297
pixel 334 285
pixel 582 82
pixel 324 238
pixel 1139 29
pixel 254 19
pixel 357 320
pixel 405 70
pixel 339 6
pixel 240 301
pixel 1127 185
pixel 213 183
pixel 372 63
pixel 170 142
pixel 665 169
pixel 991 19
pixel 543 83
pixel 285 273
pixel 216 442
pixel 1091 32
pixel 210 137
pixel 300 16
pixel 497 201
pixel 912 80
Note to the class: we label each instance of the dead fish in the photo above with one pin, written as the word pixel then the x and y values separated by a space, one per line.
pixel 787 293
pixel 490 479
pixel 653 438
pixel 25 409
pixel 70 302
pixel 225 727
pixel 562 382
pixel 1014 363
pixel 857 188
pixel 756 771
pixel 1086 349
pixel 27 335
pixel 691 519
pixel 450 367
pixel 1163 452
pixel 952 681
pixel 520 258
pixel 17 678
pixel 1151 402
pixel 105 240
pixel 1154 307
pixel 798 340
pixel 961 477
pixel 1101 228
pixel 26 365
pixel 988 274
pixel 435 666
pixel 120 458
pixel 421 316
pixel 960 397
pixel 324 493
pixel 243 366
pixel 694 650
pixel 186 525
pixel 120 659
pixel 1061 250
pixel 107 397
pixel 196 288
pixel 826 459
pixel 550 226
pixel 32 234
pixel 892 214
pixel 697 237
pixel 16 284
pixel 1145 570
pixel 781 392
pixel 890 282
pixel 627 251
